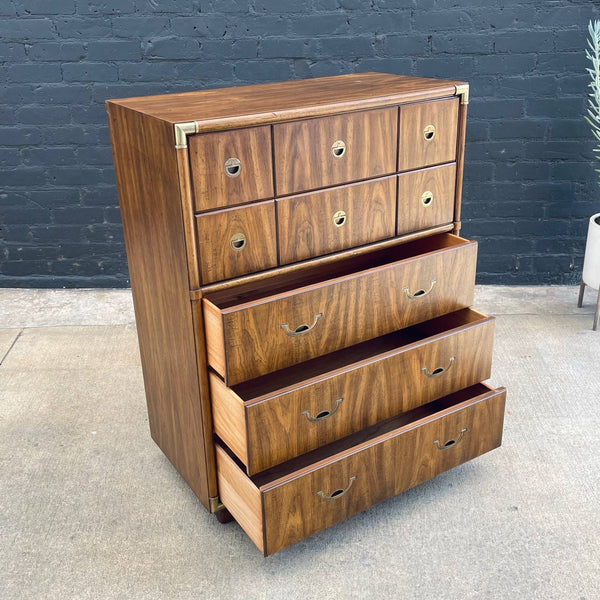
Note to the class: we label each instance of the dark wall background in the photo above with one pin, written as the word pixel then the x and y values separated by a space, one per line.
pixel 529 180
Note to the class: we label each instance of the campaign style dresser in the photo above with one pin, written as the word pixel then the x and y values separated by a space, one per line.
pixel 302 294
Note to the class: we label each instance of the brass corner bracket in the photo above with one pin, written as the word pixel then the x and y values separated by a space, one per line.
pixel 182 130
pixel 215 504
pixel 462 90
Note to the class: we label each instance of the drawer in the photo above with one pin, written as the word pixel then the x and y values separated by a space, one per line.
pixel 296 499
pixel 235 241
pixel 320 401
pixel 231 167
pixel 326 151
pixel 428 133
pixel 258 328
pixel 426 198
pixel 336 218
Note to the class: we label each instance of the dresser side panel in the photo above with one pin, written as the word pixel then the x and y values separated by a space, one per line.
pixel 147 181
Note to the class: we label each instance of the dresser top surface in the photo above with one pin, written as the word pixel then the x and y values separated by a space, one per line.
pixel 289 99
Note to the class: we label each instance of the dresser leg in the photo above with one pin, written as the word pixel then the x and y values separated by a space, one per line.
pixel 597 314
pixel 223 516
pixel 581 291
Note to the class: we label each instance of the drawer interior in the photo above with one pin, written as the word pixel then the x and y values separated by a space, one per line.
pixel 279 284
pixel 365 351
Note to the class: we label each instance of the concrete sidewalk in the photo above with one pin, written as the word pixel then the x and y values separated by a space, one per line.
pixel 90 508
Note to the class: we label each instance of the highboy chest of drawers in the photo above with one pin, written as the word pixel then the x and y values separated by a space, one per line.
pixel 302 294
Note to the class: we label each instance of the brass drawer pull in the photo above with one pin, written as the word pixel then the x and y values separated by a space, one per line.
pixel 450 443
pixel 419 293
pixel 338 148
pixel 324 414
pixel 429 133
pixel 437 372
pixel 339 218
pixel 301 329
pixel 233 167
pixel 427 198
pixel 338 493
pixel 238 241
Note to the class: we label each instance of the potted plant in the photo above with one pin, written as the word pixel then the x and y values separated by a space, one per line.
pixel 591 261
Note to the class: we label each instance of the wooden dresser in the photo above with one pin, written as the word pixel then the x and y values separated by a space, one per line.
pixel 302 295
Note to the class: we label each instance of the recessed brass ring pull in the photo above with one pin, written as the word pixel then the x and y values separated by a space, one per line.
pixel 429 133
pixel 301 329
pixel 427 198
pixel 338 148
pixel 450 443
pixel 233 167
pixel 419 293
pixel 338 493
pixel 238 241
pixel 439 370
pixel 339 218
pixel 324 414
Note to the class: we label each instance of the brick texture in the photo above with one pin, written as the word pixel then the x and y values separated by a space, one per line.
pixel 529 180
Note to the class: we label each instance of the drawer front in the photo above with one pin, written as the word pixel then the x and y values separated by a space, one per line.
pixel 288 505
pixel 426 198
pixel 235 241
pixel 428 133
pixel 367 394
pixel 327 151
pixel 231 167
pixel 274 333
pixel 334 219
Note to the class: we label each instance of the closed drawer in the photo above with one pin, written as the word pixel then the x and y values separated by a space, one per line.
pixel 336 218
pixel 316 153
pixel 426 198
pixel 292 501
pixel 231 167
pixel 428 133
pixel 235 241
pixel 323 400
pixel 259 328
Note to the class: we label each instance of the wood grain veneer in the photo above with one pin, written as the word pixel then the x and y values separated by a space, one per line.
pixel 308 226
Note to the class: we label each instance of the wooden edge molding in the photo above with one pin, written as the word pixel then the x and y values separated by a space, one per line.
pixel 462 90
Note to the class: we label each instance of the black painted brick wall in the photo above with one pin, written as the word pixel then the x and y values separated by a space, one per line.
pixel 529 182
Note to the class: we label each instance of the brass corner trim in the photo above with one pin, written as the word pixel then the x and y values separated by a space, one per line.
pixel 182 130
pixel 215 504
pixel 462 90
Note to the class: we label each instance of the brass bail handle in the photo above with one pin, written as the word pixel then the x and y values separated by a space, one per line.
pixel 338 493
pixel 450 443
pixel 324 414
pixel 233 167
pixel 338 148
pixel 419 293
pixel 301 329
pixel 439 370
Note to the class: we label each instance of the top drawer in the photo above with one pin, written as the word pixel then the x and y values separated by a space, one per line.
pixel 428 133
pixel 326 151
pixel 231 167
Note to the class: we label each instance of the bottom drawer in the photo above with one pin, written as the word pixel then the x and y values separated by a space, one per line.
pixel 289 502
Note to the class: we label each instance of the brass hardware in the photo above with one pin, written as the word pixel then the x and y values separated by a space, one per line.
pixel 238 241
pixel 450 443
pixel 429 133
pixel 301 329
pixel 324 414
pixel 233 167
pixel 338 493
pixel 439 370
pixel 215 504
pixel 182 130
pixel 338 148
pixel 462 90
pixel 419 293
pixel 427 198
pixel 339 218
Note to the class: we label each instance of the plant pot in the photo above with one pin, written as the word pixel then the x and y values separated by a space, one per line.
pixel 591 261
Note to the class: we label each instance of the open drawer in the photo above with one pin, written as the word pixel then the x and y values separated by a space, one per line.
pixel 296 499
pixel 317 402
pixel 258 328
